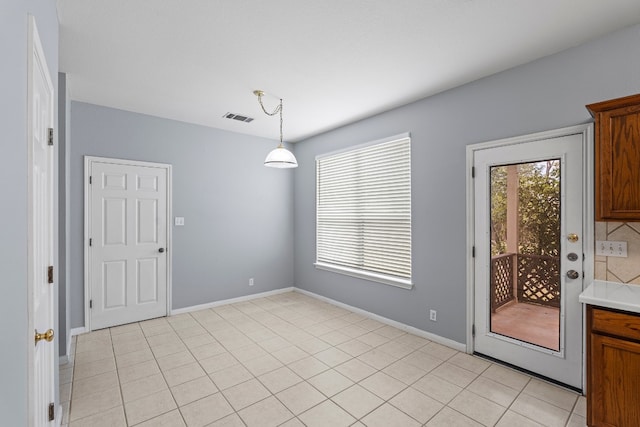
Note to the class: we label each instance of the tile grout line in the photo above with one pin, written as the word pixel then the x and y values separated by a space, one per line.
pixel 115 362
pixel 514 401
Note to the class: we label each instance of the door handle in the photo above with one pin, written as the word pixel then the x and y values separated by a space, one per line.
pixel 572 274
pixel 47 336
pixel 161 250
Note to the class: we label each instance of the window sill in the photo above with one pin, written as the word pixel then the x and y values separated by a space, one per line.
pixel 375 277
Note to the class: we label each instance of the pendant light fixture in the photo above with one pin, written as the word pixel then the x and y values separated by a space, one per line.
pixel 280 157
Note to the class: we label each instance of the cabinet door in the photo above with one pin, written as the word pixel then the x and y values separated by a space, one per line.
pixel 618 164
pixel 615 371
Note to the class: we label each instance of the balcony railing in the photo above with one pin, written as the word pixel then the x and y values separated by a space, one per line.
pixel 532 279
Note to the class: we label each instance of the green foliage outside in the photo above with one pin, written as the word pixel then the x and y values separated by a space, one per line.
pixel 539 208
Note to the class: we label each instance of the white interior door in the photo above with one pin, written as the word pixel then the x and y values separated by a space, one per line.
pixel 40 245
pixel 528 266
pixel 128 237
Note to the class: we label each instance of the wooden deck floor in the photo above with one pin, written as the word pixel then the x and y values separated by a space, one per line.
pixel 535 324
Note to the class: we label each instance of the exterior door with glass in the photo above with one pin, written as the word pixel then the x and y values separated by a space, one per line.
pixel 528 265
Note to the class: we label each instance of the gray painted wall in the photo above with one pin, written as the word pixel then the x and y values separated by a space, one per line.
pixel 545 94
pixel 13 192
pixel 238 213
pixel 64 104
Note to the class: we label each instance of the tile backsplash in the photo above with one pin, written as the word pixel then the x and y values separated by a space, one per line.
pixel 613 269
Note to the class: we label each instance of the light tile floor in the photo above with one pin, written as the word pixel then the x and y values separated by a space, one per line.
pixel 291 360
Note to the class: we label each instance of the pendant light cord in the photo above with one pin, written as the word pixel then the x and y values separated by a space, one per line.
pixel 277 110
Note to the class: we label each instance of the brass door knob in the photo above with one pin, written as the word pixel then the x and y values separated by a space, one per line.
pixel 47 336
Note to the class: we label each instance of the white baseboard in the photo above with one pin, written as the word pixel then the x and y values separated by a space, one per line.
pixel 77 331
pixel 72 332
pixel 69 339
pixel 59 416
pixel 229 301
pixel 419 332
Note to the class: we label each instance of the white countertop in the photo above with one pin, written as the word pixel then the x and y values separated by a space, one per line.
pixel 614 295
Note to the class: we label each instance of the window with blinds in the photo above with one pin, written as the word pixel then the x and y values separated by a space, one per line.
pixel 363 207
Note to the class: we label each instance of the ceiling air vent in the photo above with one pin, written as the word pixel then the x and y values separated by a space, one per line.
pixel 238 117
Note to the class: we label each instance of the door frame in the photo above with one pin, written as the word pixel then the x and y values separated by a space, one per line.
pixel 88 162
pixel 586 130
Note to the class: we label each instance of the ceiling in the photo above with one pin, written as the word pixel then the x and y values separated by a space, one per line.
pixel 332 61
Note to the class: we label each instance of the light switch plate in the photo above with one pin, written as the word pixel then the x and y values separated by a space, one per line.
pixel 611 248
pixel 179 221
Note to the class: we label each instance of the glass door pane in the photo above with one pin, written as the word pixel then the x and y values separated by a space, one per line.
pixel 525 252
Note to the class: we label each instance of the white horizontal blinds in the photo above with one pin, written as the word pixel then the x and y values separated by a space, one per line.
pixel 364 209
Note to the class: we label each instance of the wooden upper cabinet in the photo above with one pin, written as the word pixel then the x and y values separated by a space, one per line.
pixel 617 159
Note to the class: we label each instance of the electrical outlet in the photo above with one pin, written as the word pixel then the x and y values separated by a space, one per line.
pixel 251 282
pixel 611 248
pixel 433 315
pixel 179 221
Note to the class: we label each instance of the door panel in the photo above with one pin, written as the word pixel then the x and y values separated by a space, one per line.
pixel 148 183
pixel 528 201
pixel 147 221
pixel 128 227
pixel 147 280
pixel 115 226
pixel 114 181
pixel 40 242
pixel 114 284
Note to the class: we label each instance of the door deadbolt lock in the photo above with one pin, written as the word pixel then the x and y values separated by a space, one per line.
pixel 572 274
pixel 572 237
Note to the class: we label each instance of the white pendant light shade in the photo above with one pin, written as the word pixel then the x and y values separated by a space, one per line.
pixel 281 158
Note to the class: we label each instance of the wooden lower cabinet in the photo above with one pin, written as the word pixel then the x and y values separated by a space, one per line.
pixel 613 368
